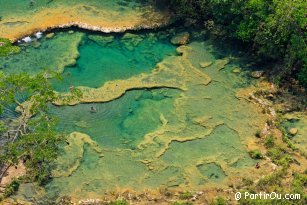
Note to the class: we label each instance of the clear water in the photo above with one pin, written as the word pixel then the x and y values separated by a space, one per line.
pixel 152 138
pixel 25 7
pixel 104 58
pixel 121 123
pixel 46 54
pixel 299 140
pixel 89 60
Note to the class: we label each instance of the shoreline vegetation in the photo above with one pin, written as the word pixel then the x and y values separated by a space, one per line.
pixel 275 31
pixel 276 146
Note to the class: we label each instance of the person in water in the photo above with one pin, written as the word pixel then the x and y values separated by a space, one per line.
pixel 32 3
pixel 93 109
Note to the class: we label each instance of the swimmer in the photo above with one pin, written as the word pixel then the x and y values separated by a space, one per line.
pixel 93 109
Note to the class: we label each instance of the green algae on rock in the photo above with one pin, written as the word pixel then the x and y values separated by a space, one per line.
pixel 159 120
pixel 111 57
pixel 297 120
pixel 121 123
pixel 181 38
pixel 22 18
pixel 191 137
pixel 53 55
pixel 73 154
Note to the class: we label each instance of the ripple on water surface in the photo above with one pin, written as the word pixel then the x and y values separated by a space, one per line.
pixel 119 123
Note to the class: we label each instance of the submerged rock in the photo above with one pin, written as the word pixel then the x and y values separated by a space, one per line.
pixel 50 35
pixel 131 40
pixel 189 22
pixel 205 64
pixel 101 40
pixel 134 38
pixel 181 39
pixel 256 74
pixel 293 131
pixel 236 70
pixel 36 44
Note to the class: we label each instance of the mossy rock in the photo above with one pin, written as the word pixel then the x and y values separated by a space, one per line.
pixel 6 47
pixel 236 70
pixel 101 40
pixel 293 131
pixel 181 39
pixel 256 74
pixel 205 64
pixel 131 40
pixel 50 35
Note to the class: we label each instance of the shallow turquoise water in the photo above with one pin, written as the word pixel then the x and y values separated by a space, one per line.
pixel 106 58
pixel 43 54
pixel 102 57
pixel 119 123
pixel 23 7
pixel 299 140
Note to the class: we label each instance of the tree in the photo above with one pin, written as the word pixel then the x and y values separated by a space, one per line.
pixel 275 29
pixel 26 131
pixel 7 48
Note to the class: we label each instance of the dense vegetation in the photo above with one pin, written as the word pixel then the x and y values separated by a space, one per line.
pixel 26 131
pixel 275 29
pixel 7 48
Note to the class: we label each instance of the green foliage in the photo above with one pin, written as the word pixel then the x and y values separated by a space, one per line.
pixel 255 154
pixel 271 182
pixel 275 29
pixel 299 183
pixel 279 156
pixel 219 201
pixel 119 202
pixel 302 75
pixel 6 47
pixel 247 182
pixel 185 195
pixel 11 188
pixel 269 141
pixel 182 203
pixel 274 182
pixel 31 137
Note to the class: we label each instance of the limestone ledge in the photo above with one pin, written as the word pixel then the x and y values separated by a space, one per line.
pixel 15 27
pixel 177 72
pixel 173 72
pixel 75 149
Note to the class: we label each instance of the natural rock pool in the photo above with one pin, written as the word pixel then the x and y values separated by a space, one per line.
pixel 165 116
